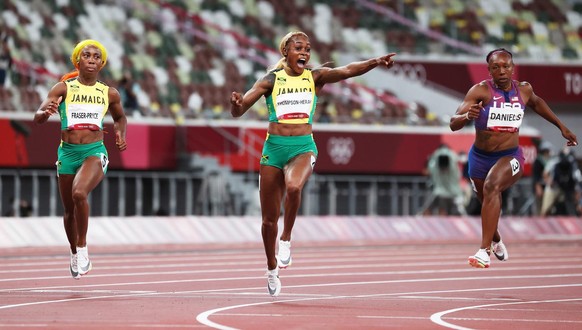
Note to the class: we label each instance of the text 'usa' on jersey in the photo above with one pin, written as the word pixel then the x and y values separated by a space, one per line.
pixel 504 112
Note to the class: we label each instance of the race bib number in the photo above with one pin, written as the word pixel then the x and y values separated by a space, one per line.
pixel 85 116
pixel 294 105
pixel 104 162
pixel 515 166
pixel 505 116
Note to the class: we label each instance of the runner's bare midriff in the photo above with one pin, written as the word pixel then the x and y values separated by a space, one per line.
pixel 289 129
pixel 84 136
pixel 496 141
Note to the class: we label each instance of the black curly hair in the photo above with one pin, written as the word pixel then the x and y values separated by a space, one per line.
pixel 498 50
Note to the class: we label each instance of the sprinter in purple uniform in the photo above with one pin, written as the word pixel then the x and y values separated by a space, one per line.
pixel 496 161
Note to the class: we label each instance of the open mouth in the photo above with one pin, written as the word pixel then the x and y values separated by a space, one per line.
pixel 301 62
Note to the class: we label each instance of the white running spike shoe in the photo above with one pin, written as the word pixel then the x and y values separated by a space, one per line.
pixel 73 267
pixel 273 282
pixel 284 259
pixel 480 259
pixel 83 263
pixel 499 250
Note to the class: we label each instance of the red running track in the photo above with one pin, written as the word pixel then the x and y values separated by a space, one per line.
pixel 352 286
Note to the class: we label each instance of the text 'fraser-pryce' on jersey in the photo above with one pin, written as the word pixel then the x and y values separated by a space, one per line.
pixel 293 99
pixel 85 106
pixel 504 112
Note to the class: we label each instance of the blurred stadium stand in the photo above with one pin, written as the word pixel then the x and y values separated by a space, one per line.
pixel 187 56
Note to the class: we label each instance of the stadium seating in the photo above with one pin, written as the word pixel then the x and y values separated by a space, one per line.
pixel 188 56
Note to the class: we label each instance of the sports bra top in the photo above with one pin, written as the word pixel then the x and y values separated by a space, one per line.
pixel 85 106
pixel 293 99
pixel 504 112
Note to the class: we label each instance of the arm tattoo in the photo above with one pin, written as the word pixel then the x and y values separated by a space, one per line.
pixel 270 79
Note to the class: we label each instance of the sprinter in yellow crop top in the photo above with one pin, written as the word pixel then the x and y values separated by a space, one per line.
pixel 289 152
pixel 82 102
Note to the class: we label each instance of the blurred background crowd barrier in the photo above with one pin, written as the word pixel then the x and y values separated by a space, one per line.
pixel 176 62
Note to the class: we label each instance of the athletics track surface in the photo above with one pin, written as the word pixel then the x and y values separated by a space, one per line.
pixel 329 286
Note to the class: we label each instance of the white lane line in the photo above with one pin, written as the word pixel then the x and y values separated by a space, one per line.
pixel 164 263
pixel 92 291
pixel 323 316
pixel 391 317
pixel 139 326
pixel 204 316
pixel 212 271
pixel 45 302
pixel 454 298
pixel 28 325
pixel 220 258
pixel 485 319
pixel 505 309
pixel 437 317
pixel 306 259
pixel 261 315
pixel 489 319
pixel 326 276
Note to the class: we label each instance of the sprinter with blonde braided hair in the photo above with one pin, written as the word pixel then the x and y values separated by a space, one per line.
pixel 289 152
pixel 82 102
